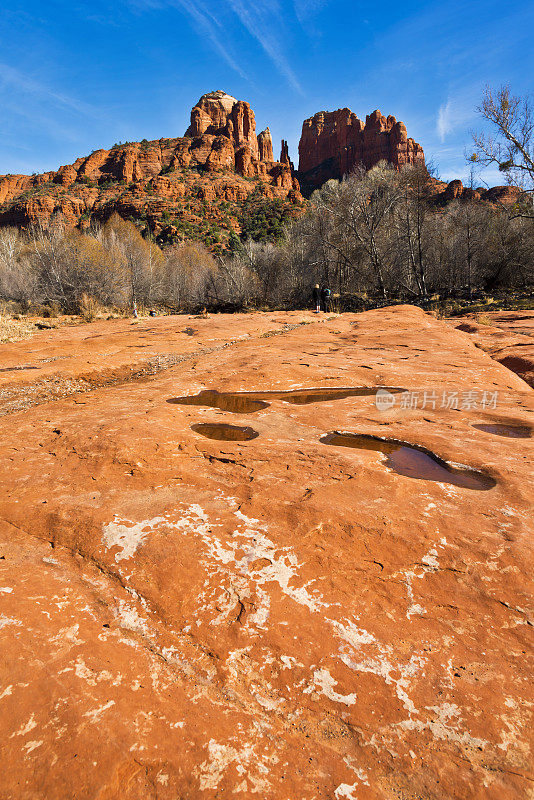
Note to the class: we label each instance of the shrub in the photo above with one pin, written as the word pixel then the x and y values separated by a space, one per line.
pixel 88 308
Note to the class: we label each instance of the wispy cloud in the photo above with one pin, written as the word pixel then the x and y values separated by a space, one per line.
pixel 264 21
pixel 208 25
pixel 205 22
pixel 11 78
pixel 444 122
pixel 457 111
pixel 306 8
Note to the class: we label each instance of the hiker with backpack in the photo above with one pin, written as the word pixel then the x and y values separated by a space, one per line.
pixel 326 294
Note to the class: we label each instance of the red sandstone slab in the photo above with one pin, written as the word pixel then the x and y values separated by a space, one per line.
pixel 277 618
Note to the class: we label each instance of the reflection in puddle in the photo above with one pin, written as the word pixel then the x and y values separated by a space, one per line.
pixel 501 429
pixel 224 432
pixel 304 396
pixel 249 402
pixel 413 461
pixel 236 403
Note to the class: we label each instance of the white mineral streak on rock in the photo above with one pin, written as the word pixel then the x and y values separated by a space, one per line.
pixel 445 726
pixel 429 563
pixel 246 763
pixel 261 562
pixel 325 682
pixel 68 635
pixel 382 667
pixel 282 569
pixel 268 703
pixel 82 671
pixel 29 746
pixel 351 634
pixel 344 790
pixel 358 771
pixel 289 662
pixel 130 619
pixel 5 621
pixel 26 728
pixel 97 712
pixel 127 535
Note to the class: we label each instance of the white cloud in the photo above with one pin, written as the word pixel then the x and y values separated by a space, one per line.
pixel 207 24
pixel 264 21
pixel 306 8
pixel 204 21
pixel 13 78
pixel 444 122
pixel 458 111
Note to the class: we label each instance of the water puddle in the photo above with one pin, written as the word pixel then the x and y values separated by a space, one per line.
pixel 14 369
pixel 413 461
pixel 305 396
pixel 239 403
pixel 502 429
pixel 225 433
pixel 249 402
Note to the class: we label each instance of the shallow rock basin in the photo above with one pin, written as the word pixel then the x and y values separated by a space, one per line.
pixel 16 369
pixel 235 403
pixel 413 461
pixel 224 432
pixel 249 402
pixel 503 429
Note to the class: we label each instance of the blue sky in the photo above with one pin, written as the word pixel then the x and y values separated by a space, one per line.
pixel 76 76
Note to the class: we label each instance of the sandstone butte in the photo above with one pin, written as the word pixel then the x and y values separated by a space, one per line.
pixel 333 143
pixel 277 618
pixel 181 186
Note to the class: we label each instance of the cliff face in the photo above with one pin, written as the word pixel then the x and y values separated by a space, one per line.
pixel 188 180
pixel 333 143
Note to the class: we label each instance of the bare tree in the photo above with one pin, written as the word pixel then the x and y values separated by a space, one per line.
pixel 188 276
pixel 411 215
pixel 143 260
pixel 510 146
pixel 370 198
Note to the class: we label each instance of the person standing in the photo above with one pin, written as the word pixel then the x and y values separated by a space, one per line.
pixel 325 298
pixel 317 298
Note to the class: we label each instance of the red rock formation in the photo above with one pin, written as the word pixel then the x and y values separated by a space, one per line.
pixel 284 155
pixel 334 143
pixel 220 115
pixel 455 190
pixel 221 140
pixel 265 145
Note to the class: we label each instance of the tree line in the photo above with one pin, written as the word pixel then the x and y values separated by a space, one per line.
pixel 376 235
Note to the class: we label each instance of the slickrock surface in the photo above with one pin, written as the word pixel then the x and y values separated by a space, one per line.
pixel 333 143
pixel 508 336
pixel 276 618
